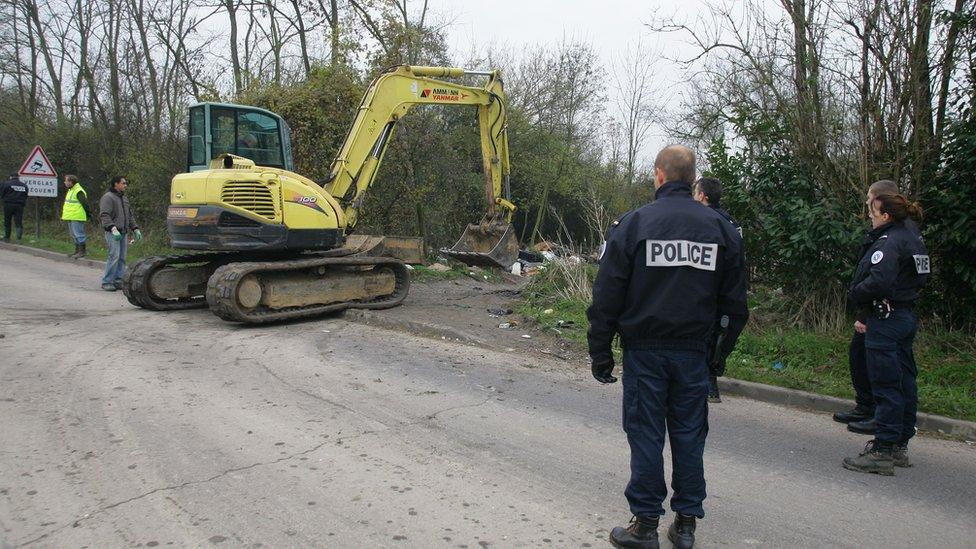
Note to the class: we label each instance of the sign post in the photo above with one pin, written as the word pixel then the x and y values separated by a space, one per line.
pixel 41 180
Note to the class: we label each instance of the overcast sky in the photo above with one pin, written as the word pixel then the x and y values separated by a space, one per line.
pixel 609 26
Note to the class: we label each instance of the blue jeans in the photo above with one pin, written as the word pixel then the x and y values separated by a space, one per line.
pixel 115 264
pixel 891 365
pixel 77 229
pixel 665 391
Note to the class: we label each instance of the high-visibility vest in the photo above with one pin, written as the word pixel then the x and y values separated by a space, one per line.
pixel 73 211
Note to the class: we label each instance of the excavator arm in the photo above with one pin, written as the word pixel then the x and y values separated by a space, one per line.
pixel 388 99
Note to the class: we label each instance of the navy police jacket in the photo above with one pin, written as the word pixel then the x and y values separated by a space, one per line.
pixel 893 266
pixel 670 269
pixel 727 216
pixel 13 192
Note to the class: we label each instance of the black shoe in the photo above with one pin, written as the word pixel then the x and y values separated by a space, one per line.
pixel 77 250
pixel 682 531
pixel 109 287
pixel 866 427
pixel 82 252
pixel 877 458
pixel 858 413
pixel 640 534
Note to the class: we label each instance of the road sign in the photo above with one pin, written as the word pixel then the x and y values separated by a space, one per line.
pixel 39 175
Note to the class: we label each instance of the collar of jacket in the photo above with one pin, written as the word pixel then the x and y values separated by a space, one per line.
pixel 878 231
pixel 113 190
pixel 673 188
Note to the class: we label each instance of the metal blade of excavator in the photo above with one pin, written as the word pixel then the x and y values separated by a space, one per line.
pixel 407 249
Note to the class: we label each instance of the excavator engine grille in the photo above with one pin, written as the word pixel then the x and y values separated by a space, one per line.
pixel 251 196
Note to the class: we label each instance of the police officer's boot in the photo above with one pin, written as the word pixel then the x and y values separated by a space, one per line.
pixel 82 252
pixel 877 458
pixel 74 255
pixel 899 455
pixel 858 413
pixel 640 534
pixel 682 531
pixel 866 427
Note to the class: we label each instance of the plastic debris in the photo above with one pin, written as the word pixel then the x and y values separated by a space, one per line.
pixel 778 365
pixel 526 336
pixel 505 325
pixel 500 312
pixel 548 312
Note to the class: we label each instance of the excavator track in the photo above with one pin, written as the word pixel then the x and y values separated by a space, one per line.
pixel 272 291
pixel 193 271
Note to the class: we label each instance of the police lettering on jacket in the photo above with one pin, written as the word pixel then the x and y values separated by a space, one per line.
pixel 668 271
pixel 894 265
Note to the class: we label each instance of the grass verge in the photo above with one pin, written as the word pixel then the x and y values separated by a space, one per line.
pixel 55 237
pixel 793 358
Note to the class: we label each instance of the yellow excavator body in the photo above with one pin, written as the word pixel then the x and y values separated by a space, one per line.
pixel 277 244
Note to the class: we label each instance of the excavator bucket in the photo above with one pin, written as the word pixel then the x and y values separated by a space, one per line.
pixel 486 244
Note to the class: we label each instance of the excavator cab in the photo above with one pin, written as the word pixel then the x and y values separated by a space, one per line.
pixel 250 132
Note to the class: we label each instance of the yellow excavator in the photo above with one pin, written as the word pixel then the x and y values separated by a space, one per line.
pixel 274 245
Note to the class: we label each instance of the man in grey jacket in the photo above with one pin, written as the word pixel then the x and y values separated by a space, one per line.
pixel 117 220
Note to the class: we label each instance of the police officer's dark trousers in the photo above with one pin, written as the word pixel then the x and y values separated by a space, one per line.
pixel 891 365
pixel 15 213
pixel 859 372
pixel 665 391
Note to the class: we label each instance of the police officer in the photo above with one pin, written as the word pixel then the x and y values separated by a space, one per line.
pixel 13 192
pixel 887 281
pixel 708 191
pixel 669 270
pixel 860 419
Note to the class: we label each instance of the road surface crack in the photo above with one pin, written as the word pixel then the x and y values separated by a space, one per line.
pixel 434 415
pixel 77 522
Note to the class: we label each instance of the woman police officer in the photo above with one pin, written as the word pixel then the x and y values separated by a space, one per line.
pixel 886 283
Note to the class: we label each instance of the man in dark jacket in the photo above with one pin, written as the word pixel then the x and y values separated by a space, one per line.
pixel 117 220
pixel 13 192
pixel 670 269
pixel 708 191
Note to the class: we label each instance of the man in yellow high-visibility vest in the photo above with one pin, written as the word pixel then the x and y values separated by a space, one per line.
pixel 76 213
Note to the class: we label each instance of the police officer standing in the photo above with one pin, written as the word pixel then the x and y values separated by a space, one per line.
pixel 670 269
pixel 860 419
pixel 13 192
pixel 887 281
pixel 708 191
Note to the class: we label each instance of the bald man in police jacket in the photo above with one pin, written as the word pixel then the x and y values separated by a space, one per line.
pixel 670 270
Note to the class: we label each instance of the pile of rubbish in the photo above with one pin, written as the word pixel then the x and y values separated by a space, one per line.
pixel 530 261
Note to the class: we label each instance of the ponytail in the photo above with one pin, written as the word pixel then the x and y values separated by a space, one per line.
pixel 898 207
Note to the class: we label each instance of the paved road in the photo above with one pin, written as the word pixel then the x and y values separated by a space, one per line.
pixel 121 427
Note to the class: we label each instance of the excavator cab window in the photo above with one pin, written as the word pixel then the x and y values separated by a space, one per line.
pixel 250 132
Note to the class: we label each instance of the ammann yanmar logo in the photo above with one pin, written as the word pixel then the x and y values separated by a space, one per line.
pixel 442 94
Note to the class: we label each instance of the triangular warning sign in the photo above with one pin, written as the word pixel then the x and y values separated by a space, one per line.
pixel 37 164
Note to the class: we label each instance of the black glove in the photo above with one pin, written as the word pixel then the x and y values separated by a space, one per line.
pixel 603 370
pixel 717 367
